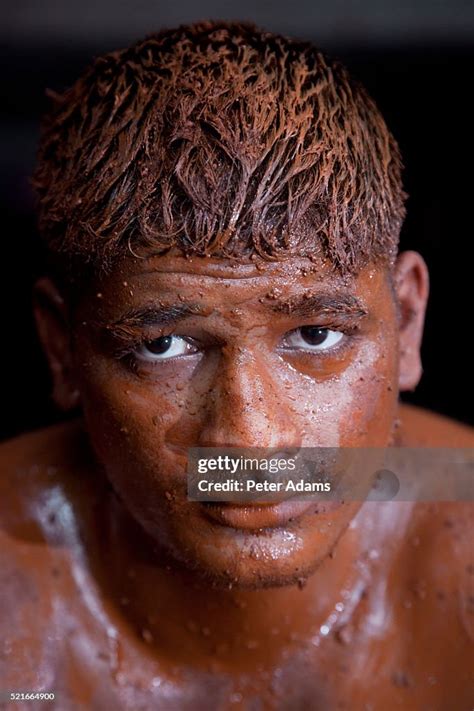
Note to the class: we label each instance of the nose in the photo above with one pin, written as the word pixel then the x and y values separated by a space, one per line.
pixel 247 405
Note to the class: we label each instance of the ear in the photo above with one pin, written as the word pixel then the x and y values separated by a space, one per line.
pixel 52 324
pixel 412 289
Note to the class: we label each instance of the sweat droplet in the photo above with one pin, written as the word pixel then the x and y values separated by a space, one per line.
pixel 147 636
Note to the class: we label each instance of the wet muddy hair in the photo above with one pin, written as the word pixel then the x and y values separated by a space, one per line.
pixel 218 139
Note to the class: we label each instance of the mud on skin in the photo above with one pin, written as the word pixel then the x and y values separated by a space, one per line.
pixel 222 207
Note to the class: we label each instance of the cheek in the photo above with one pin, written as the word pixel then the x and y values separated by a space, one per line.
pixel 127 420
pixel 116 400
pixel 354 407
pixel 127 427
pixel 371 382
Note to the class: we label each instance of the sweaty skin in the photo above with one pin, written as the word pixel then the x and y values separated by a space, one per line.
pixel 118 592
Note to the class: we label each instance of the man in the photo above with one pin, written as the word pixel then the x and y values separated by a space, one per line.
pixel 222 208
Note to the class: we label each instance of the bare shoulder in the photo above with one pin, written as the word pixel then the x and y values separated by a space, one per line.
pixel 39 447
pixel 447 525
pixel 41 497
pixel 422 428
pixel 38 471
pixel 438 570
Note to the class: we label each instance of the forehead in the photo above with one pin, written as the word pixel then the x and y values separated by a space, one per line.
pixel 175 269
pixel 169 279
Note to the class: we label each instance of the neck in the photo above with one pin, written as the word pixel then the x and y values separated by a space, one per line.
pixel 191 621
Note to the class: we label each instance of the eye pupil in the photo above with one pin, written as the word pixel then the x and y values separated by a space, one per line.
pixel 159 345
pixel 314 335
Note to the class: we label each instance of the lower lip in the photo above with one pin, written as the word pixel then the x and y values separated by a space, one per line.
pixel 265 516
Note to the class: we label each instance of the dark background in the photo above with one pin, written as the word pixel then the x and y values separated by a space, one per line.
pixel 417 60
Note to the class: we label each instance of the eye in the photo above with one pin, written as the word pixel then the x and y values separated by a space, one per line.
pixel 313 338
pixel 164 347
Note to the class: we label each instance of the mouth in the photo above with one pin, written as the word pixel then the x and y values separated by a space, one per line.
pixel 259 516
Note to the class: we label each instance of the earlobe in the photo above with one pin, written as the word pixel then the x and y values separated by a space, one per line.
pixel 52 325
pixel 412 289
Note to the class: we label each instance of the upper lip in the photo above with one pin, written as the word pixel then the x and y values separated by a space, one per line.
pixel 256 516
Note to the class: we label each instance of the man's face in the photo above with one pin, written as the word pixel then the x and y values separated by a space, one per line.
pixel 172 353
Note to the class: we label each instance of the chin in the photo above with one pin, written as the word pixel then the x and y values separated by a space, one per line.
pixel 245 575
pixel 259 580
pixel 254 560
pixel 226 556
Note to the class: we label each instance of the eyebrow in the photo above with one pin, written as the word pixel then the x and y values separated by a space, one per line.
pixel 302 305
pixel 153 315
